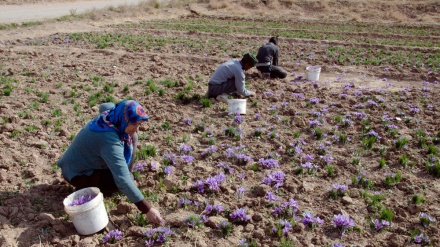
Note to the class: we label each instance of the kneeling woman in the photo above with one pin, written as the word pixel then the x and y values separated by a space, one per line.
pixel 103 152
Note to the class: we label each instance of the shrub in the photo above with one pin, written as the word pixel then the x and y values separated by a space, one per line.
pixel 206 102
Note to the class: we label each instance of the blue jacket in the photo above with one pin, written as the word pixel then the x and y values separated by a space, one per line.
pixel 90 151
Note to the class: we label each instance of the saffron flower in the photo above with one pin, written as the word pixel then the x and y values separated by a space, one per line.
pixel 310 220
pixel 184 202
pixel 421 239
pixel 168 170
pixel 184 148
pixel 240 192
pixel 239 216
pixel 338 190
pixel 243 243
pixel 112 236
pixel 426 219
pixel 187 121
pixel 187 159
pixel 314 100
pixel 210 150
pixel 275 178
pixel 139 166
pixel 270 196
pixel 298 95
pixel 159 235
pixel 170 159
pixel 379 224
pixel 227 168
pixel 343 223
pixel 269 163
pixel 81 200
pixel 314 123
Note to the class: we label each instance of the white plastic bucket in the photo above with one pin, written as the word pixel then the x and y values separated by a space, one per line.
pixel 237 106
pixel 312 73
pixel 89 217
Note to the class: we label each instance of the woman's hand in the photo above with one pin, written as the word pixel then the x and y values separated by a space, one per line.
pixel 153 215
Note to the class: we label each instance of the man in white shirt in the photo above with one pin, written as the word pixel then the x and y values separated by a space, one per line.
pixel 229 78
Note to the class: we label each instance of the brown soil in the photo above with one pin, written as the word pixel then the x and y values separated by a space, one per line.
pixel 53 82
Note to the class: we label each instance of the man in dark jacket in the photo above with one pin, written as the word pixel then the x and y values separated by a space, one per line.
pixel 268 60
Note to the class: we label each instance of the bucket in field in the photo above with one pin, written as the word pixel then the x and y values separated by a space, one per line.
pixel 89 217
pixel 312 73
pixel 237 106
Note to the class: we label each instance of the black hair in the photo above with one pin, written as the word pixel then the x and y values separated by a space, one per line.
pixel 274 40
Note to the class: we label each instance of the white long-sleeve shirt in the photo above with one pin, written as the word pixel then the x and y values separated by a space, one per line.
pixel 228 70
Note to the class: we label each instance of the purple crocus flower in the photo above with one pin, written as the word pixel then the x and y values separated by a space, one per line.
pixel 379 224
pixel 200 186
pixel 219 208
pixel 343 222
pixel 239 215
pixel 270 196
pixel 139 166
pixel 210 150
pixel 149 242
pixel 310 220
pixel 314 100
pixel 81 200
pixel 238 119
pixel 187 159
pixel 269 163
pixel 184 148
pixel 168 170
pixel 187 121
pixel 112 236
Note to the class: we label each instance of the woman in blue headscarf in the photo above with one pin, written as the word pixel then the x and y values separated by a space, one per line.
pixel 102 154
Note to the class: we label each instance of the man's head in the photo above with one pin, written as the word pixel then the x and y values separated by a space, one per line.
pixel 274 40
pixel 248 61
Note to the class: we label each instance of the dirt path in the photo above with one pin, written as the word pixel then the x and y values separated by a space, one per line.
pixel 33 12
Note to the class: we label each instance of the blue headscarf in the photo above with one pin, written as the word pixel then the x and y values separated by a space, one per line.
pixel 117 119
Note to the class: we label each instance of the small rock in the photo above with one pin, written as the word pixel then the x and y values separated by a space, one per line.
pixel 259 233
pixel 413 209
pixel 257 217
pixel 7 128
pixel 262 189
pixel 137 231
pixel 214 221
pixel 75 239
pixel 170 199
pixel 307 187
pixel 177 219
pixel 31 216
pixel 200 242
pixel 87 242
pixel 346 200
pixel 249 228
pixel 399 219
pixel 46 216
pixel 64 132
pixel 299 228
pixel 395 240
pixel 123 208
pixel 169 183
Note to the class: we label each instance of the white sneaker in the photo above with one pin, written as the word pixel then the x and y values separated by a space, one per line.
pixel 222 98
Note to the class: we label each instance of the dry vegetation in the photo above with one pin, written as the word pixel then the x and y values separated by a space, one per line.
pixel 375 111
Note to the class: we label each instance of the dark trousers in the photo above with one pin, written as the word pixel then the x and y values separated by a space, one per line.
pixel 275 71
pixel 227 87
